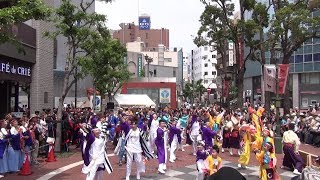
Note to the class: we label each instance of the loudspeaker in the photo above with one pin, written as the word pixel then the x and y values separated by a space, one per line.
pixel 110 105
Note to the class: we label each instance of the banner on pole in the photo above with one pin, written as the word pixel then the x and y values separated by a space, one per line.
pixel 283 77
pixel 270 77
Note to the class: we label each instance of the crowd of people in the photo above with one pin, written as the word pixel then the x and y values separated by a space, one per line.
pixel 140 134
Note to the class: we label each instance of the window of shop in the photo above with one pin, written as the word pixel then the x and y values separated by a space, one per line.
pixel 310 78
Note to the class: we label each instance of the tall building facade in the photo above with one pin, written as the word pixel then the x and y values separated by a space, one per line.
pixel 202 63
pixel 130 32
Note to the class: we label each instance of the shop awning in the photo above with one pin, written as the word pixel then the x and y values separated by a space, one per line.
pixel 140 100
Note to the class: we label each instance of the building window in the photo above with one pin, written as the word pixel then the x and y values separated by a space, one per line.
pixel 310 78
pixel 307 57
pixel 206 48
pixel 214 56
pixel 214 73
pixel 45 97
pixel 155 73
pixel 316 57
pixel 206 81
pixel 299 59
pixel 174 73
pixel 213 81
pixel 168 59
pixel 205 73
pixel 147 44
pixel 147 35
pixel 206 65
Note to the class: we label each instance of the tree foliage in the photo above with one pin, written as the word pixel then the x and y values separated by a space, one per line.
pixel 293 23
pixel 78 25
pixel 106 63
pixel 18 11
pixel 218 27
pixel 187 91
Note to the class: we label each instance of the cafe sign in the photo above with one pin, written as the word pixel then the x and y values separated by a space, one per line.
pixel 14 69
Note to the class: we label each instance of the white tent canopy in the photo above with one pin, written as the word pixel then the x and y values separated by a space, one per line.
pixel 141 100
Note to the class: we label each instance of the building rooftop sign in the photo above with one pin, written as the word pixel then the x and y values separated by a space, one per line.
pixel 144 23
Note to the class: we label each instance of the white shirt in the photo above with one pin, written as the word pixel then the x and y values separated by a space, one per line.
pixel 3 133
pixel 292 138
pixel 154 126
pixel 133 141
pixel 195 129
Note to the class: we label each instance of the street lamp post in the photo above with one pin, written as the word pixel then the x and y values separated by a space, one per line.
pixel 278 138
pixel 148 60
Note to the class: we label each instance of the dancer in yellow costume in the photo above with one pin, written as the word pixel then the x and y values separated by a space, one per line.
pixel 258 148
pixel 245 144
pixel 214 161
pixel 268 162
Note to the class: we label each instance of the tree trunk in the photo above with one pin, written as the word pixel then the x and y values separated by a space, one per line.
pixel 286 101
pixel 240 91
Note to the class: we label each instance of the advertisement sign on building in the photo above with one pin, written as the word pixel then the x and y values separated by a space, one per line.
pixel 98 103
pixel 164 95
pixel 144 23
pixel 139 69
pixel 7 67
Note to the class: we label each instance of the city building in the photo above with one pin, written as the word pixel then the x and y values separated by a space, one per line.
pixel 304 75
pixel 26 79
pixel 203 62
pixel 154 72
pixel 130 32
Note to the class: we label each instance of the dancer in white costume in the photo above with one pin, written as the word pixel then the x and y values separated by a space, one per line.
pixel 95 156
pixel 134 150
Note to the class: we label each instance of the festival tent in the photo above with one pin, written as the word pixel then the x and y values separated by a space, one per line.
pixel 133 100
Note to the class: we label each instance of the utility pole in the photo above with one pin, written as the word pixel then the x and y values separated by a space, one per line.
pixel 192 76
pixel 278 138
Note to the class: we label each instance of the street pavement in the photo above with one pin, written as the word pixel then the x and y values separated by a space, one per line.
pixel 184 167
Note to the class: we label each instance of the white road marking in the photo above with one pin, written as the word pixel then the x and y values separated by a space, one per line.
pixel 70 166
pixel 64 168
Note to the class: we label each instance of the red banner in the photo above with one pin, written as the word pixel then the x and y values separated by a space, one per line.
pixel 283 73
pixel 226 88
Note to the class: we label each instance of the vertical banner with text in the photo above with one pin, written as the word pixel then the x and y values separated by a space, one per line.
pixel 139 69
pixel 270 77
pixel 283 73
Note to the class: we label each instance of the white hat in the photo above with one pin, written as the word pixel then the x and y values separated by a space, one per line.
pixel 293 114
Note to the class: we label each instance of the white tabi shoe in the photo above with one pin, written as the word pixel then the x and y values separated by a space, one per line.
pixel 222 150
pixel 161 171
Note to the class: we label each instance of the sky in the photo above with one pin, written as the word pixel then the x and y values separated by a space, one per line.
pixel 181 17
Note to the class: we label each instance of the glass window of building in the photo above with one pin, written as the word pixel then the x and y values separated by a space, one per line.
pixel 213 56
pixel 214 73
pixel 206 65
pixel 291 59
pixel 308 49
pixel 316 57
pixel 206 81
pixel 300 51
pixel 205 73
pixel 174 73
pixel 299 59
pixel 308 58
pixel 206 48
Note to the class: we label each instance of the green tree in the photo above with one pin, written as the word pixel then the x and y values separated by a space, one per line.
pixel 18 11
pixel 218 27
pixel 199 88
pixel 106 63
pixel 293 23
pixel 187 91
pixel 77 25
